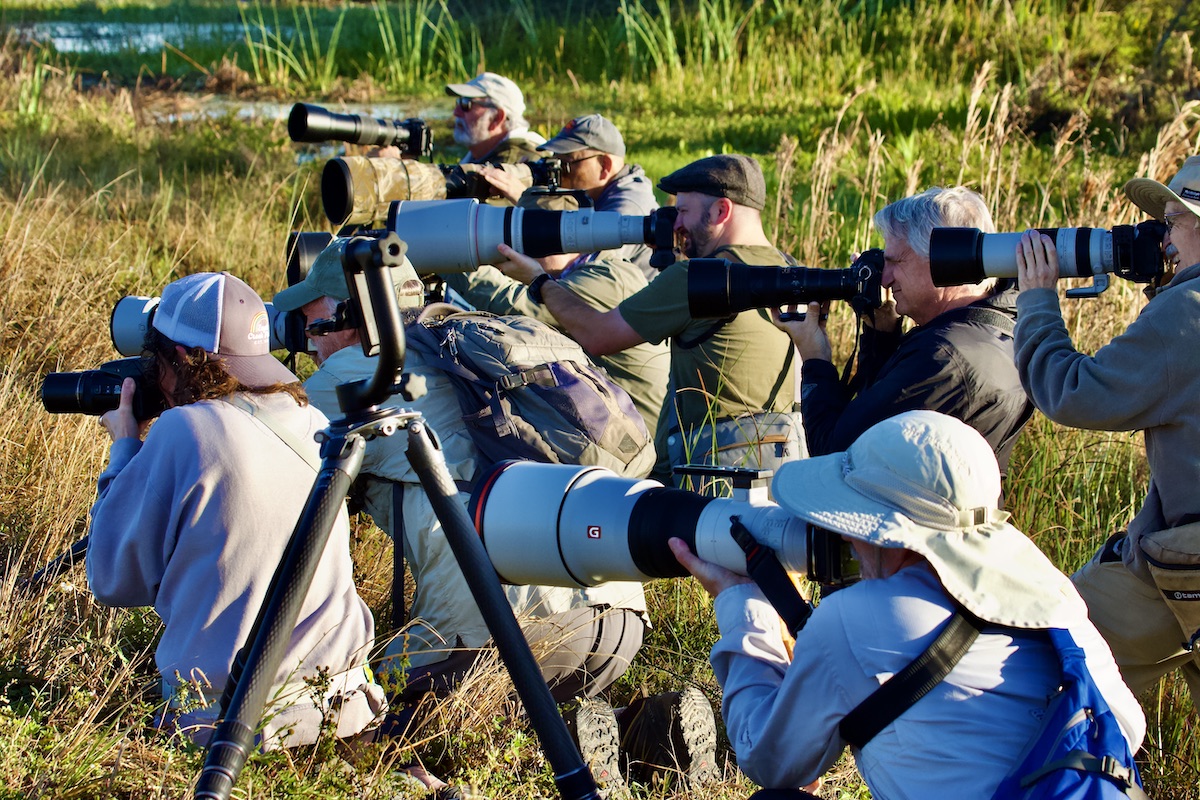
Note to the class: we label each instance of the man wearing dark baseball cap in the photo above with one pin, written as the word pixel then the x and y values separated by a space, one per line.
pixel 732 390
pixel 1143 587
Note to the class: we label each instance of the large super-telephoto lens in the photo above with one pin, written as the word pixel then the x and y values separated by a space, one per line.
pixel 459 235
pixel 719 288
pixel 960 256
pixel 96 391
pixel 309 123
pixel 562 525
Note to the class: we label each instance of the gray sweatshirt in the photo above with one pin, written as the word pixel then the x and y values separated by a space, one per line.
pixel 1147 378
pixel 194 520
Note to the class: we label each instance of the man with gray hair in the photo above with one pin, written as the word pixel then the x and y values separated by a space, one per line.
pixel 489 120
pixel 958 359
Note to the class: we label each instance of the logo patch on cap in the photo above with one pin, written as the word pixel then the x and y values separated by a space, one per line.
pixel 1189 194
pixel 260 328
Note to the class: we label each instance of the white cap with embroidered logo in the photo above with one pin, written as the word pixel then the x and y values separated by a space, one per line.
pixel 222 315
pixel 1151 196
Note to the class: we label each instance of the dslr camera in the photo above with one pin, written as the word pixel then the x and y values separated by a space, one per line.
pixel 718 287
pixel 587 525
pixel 960 256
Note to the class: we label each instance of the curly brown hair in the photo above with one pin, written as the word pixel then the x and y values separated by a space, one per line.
pixel 200 375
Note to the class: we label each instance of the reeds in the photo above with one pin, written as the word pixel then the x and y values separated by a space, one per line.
pixel 847 106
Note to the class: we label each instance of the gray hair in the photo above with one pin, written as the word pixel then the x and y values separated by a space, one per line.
pixel 914 218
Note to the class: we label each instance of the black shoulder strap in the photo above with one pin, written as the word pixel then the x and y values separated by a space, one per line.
pixel 913 682
pixel 399 612
pixel 987 316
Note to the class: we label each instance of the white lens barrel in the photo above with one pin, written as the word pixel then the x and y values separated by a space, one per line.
pixel 129 323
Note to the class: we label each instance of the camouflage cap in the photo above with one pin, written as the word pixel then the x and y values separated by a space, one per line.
pixel 592 132
pixel 326 278
pixel 738 178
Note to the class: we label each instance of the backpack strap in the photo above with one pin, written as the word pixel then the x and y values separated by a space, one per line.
pixel 910 684
pixel 1082 761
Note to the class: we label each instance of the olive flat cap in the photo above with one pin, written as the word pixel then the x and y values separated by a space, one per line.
pixel 739 178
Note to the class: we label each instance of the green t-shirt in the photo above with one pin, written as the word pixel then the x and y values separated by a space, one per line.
pixel 602 284
pixel 745 367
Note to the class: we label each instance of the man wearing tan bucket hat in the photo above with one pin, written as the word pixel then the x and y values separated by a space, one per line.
pixel 1143 587
pixel 916 498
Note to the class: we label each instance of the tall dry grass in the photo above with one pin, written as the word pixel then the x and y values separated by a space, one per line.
pixel 96 201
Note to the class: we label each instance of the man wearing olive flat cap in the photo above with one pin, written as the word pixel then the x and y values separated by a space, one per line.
pixel 1143 587
pixel 732 389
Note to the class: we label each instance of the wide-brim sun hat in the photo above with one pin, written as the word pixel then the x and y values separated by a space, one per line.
pixel 929 483
pixel 1152 197
pixel 227 319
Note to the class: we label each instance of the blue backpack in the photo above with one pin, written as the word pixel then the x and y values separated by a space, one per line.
pixel 1078 753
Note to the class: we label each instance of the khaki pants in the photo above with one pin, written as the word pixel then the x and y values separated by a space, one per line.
pixel 1133 618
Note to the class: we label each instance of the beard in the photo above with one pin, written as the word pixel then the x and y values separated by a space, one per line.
pixel 468 133
pixel 697 243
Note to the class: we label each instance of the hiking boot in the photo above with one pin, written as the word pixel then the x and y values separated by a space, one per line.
pixel 594 729
pixel 670 734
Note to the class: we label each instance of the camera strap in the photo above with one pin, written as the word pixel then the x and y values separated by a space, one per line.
pixel 763 567
pixel 276 427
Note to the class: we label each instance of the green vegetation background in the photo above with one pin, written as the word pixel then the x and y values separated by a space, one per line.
pixel 1045 107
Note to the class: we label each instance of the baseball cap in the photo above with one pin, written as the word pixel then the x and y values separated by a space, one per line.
pixel 497 88
pixel 739 178
pixel 929 483
pixel 326 278
pixel 591 132
pixel 222 315
pixel 1151 196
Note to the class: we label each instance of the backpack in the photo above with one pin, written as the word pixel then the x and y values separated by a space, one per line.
pixel 529 392
pixel 1078 752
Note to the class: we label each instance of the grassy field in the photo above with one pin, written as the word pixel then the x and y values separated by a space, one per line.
pixel 1044 107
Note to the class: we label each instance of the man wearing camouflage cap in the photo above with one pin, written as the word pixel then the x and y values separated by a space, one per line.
pixel 732 380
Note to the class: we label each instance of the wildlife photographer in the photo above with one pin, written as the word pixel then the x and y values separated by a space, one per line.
pixel 732 388
pixel 193 516
pixel 583 639
pixel 1143 586
pixel 916 498
pixel 957 359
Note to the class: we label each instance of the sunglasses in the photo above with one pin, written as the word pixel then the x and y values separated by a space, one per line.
pixel 567 166
pixel 465 104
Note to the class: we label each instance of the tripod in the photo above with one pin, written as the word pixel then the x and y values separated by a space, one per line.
pixel 366 263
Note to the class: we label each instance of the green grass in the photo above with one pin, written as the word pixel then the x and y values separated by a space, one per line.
pixel 1045 107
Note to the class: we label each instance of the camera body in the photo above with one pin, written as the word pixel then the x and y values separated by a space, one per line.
pixel 564 525
pixel 310 123
pixel 719 288
pixel 960 256
pixel 96 391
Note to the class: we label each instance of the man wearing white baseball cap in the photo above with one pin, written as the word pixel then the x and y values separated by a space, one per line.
pixel 194 520
pixel 1143 587
pixel 489 120
pixel 916 498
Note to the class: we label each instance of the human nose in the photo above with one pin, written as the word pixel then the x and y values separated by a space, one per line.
pixel 889 275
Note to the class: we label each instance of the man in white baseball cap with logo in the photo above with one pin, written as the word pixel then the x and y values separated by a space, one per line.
pixel 915 497
pixel 194 514
pixel 1143 587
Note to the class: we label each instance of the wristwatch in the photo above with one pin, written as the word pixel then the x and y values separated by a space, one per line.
pixel 535 287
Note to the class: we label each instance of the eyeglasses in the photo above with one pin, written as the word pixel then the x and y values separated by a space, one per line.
pixel 1169 219
pixel 567 166
pixel 465 104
